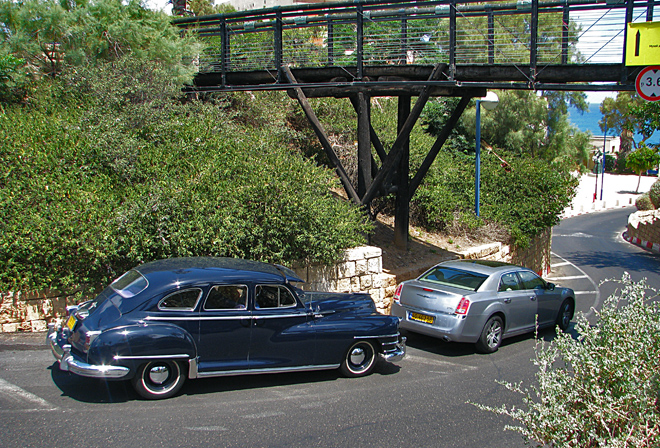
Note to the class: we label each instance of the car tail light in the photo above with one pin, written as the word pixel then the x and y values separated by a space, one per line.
pixel 397 293
pixel 89 338
pixel 463 306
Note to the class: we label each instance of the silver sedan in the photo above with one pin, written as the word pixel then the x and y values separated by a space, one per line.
pixel 481 302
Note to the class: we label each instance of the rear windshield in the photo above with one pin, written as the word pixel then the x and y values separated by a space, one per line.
pixel 454 277
pixel 130 284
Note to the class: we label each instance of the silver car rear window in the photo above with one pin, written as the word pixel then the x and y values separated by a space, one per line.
pixel 130 284
pixel 454 277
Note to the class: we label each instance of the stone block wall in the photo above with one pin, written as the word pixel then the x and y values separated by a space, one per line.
pixel 360 270
pixel 29 312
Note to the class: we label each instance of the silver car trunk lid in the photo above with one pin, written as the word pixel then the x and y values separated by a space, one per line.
pixel 426 296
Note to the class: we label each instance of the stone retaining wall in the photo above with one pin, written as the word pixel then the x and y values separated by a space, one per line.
pixel 644 226
pixel 360 270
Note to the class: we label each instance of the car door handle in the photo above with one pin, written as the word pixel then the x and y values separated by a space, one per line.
pixel 507 300
pixel 258 322
pixel 533 298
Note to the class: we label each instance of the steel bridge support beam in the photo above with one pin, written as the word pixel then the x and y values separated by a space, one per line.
pixel 320 133
pixel 402 200
pixel 364 143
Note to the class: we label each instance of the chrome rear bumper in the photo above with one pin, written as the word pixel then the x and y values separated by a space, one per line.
pixel 397 353
pixel 69 364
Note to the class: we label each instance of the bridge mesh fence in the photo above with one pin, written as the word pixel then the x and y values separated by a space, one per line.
pixel 399 34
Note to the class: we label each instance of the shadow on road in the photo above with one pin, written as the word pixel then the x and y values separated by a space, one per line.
pixel 90 390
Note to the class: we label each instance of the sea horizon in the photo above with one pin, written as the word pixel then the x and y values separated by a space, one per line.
pixel 588 121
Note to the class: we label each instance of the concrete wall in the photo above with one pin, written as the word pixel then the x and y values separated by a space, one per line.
pixel 360 270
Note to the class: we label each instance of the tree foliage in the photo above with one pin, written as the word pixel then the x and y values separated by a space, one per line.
pixel 601 387
pixel 641 160
pixel 49 36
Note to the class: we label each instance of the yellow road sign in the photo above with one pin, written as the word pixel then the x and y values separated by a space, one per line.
pixel 643 43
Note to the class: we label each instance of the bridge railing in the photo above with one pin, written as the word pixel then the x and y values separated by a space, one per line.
pixel 356 35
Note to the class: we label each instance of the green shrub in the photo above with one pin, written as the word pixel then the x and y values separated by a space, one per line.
pixel 643 202
pixel 654 194
pixel 602 387
pixel 122 169
pixel 526 195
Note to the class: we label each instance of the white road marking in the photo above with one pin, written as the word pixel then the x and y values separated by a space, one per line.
pixel 574 277
pixel 264 415
pixel 207 428
pixel 580 293
pixel 15 394
pixel 436 362
pixel 556 265
pixel 596 299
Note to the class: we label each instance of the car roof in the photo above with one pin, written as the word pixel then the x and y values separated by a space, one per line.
pixel 485 267
pixel 198 269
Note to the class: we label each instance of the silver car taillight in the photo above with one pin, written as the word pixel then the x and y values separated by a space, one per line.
pixel 463 306
pixel 397 293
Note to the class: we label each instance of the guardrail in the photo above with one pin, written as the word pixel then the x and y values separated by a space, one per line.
pixel 355 35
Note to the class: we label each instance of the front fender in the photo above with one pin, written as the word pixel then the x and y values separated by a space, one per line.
pixel 131 345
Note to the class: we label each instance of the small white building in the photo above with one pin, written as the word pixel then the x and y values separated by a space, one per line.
pixel 612 146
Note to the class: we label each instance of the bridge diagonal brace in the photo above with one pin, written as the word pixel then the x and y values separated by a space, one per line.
pixel 439 142
pixel 320 133
pixel 389 164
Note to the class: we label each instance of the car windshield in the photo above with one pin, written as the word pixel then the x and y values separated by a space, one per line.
pixel 454 277
pixel 130 284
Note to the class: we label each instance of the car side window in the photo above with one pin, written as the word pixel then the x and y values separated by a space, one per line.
pixel 181 300
pixel 227 297
pixel 509 282
pixel 530 280
pixel 273 296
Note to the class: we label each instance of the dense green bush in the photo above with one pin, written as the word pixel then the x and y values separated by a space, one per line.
pixel 643 202
pixel 112 167
pixel 525 195
pixel 654 194
pixel 601 387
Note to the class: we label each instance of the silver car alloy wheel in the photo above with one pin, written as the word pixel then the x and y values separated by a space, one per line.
pixel 494 333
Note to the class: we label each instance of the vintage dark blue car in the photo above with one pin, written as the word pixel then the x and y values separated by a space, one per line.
pixel 169 320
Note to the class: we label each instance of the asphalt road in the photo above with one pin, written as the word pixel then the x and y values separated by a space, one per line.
pixel 423 400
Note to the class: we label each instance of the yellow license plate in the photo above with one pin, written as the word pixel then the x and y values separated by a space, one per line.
pixel 71 322
pixel 421 318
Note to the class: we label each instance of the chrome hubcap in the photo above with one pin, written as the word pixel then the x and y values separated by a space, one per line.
pixel 158 374
pixel 357 356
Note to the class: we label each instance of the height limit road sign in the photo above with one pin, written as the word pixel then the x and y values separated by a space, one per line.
pixel 647 83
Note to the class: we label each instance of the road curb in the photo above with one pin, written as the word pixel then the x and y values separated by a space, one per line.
pixel 655 247
pixel 597 206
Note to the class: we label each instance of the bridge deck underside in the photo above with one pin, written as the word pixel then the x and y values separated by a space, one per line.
pixel 410 79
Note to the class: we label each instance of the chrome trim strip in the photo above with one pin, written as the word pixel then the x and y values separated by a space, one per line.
pixel 374 337
pixel 183 356
pixel 252 316
pixel 259 371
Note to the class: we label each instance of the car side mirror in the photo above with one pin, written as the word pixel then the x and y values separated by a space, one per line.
pixel 550 286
